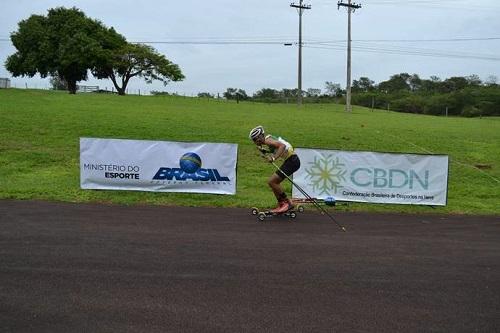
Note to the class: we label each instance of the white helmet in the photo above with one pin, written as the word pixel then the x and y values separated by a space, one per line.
pixel 254 133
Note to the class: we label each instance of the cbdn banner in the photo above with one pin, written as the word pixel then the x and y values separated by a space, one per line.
pixel 160 166
pixel 373 177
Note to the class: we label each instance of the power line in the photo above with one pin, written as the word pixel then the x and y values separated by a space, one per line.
pixel 410 1
pixel 398 48
pixel 415 53
pixel 425 40
pixel 361 45
pixel 442 4
pixel 431 4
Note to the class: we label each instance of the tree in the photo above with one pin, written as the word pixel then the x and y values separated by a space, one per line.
pixel 364 84
pixel 64 44
pixel 396 83
pixel 454 83
pixel 230 93
pixel 313 92
pixel 428 86
pixel 289 93
pixel 473 80
pixel 267 94
pixel 133 60
pixel 235 94
pixel 333 89
pixel 492 81
pixel 415 82
pixel 205 95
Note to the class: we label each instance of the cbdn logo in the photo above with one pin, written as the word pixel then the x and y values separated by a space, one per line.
pixel 189 169
pixel 327 175
pixel 389 178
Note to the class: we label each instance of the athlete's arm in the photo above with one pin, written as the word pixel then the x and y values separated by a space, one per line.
pixel 279 148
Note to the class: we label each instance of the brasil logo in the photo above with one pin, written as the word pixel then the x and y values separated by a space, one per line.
pixel 189 169
pixel 190 162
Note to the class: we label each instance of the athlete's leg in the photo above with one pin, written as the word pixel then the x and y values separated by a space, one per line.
pixel 288 167
pixel 274 183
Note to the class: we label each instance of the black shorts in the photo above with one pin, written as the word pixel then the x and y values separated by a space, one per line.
pixel 288 167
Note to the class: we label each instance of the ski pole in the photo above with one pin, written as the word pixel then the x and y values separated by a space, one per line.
pixel 318 206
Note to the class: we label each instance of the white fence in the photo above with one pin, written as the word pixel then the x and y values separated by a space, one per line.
pixel 85 89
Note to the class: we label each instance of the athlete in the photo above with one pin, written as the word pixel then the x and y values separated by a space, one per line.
pixel 275 148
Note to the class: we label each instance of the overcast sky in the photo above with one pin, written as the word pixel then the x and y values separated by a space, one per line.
pixel 227 43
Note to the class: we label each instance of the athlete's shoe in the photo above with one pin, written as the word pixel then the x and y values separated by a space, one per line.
pixel 282 208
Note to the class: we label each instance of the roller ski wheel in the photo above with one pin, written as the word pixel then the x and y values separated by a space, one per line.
pixel 261 216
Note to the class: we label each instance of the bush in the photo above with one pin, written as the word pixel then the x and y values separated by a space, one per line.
pixel 471 111
pixel 489 108
pixel 205 95
pixel 410 104
pixel 488 101
pixel 436 105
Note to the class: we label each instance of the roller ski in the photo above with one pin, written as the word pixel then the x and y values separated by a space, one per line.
pixel 284 209
pixel 301 202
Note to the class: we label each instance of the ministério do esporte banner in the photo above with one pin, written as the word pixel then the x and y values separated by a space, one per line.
pixel 373 177
pixel 159 166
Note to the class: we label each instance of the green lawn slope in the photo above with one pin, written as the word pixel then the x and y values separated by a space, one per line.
pixel 40 131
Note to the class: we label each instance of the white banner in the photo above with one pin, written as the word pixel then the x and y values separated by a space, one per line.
pixel 160 166
pixel 373 177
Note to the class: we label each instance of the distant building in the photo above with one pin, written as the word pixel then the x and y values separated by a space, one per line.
pixel 4 83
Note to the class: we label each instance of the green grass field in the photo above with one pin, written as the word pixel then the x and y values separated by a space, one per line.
pixel 40 131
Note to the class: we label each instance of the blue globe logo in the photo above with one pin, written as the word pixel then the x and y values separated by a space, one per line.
pixel 190 162
pixel 330 201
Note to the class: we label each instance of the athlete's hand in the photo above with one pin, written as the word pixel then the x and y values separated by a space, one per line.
pixel 262 150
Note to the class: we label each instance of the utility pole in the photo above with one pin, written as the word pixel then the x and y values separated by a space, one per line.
pixel 351 7
pixel 300 9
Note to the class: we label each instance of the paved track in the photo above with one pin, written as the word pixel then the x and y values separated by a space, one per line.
pixel 99 268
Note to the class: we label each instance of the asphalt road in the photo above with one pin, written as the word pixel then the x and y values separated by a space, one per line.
pixel 100 268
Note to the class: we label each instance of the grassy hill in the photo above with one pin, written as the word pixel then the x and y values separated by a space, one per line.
pixel 40 131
